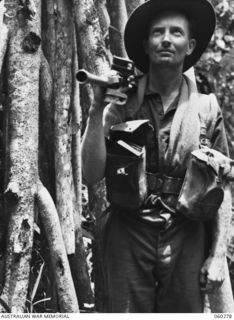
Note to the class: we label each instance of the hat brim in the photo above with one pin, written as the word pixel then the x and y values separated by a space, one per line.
pixel 200 11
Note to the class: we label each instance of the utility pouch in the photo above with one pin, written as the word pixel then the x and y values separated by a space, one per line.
pixel 133 131
pixel 125 180
pixel 202 192
pixel 126 183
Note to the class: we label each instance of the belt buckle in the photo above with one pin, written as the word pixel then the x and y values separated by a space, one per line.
pixel 159 184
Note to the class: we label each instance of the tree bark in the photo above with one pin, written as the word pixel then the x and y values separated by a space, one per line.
pixel 93 57
pixel 46 127
pixel 49 14
pixel 62 124
pixel 65 287
pixel 92 53
pixel 46 151
pixel 22 167
pixel 78 260
pixel 104 20
pixel 133 4
pixel 90 44
pixel 118 16
pixel 4 35
pixel 97 206
pixel 46 122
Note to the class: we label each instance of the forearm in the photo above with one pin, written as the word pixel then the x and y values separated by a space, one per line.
pixel 213 270
pixel 221 226
pixel 93 149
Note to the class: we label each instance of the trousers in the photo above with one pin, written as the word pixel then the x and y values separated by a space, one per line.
pixel 149 270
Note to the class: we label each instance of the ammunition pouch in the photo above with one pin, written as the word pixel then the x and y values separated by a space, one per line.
pixel 202 192
pixel 126 183
pixel 126 180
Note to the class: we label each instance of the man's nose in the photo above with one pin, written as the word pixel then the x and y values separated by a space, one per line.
pixel 166 41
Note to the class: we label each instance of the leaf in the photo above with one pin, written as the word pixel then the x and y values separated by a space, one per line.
pixel 37 282
pixel 219 33
pixel 223 7
pixel 217 57
pixel 42 300
pixel 5 305
pixel 221 44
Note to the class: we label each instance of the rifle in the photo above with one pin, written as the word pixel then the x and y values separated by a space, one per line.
pixel 124 78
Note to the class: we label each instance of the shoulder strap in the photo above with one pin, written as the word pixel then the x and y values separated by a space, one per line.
pixel 135 101
pixel 203 114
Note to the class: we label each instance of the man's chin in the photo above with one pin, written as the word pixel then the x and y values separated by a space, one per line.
pixel 165 61
pixel 167 64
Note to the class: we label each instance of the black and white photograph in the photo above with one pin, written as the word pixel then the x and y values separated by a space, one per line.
pixel 116 159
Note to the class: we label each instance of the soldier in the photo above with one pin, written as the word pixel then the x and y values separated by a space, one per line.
pixel 152 267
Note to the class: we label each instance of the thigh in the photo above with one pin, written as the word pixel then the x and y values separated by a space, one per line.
pixel 129 261
pixel 181 257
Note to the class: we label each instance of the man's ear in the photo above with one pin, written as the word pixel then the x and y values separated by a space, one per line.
pixel 145 46
pixel 191 46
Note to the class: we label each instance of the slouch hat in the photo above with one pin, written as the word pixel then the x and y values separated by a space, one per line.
pixel 199 12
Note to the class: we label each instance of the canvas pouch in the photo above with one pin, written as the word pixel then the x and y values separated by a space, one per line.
pixel 126 183
pixel 202 190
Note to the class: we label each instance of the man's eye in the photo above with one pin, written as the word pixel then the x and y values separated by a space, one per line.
pixel 156 32
pixel 177 32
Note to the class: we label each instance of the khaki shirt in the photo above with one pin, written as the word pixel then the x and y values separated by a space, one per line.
pixel 152 109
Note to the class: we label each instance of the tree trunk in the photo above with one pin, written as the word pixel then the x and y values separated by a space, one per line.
pixel 91 47
pixel 47 165
pixel 22 168
pixel 93 57
pixel 98 205
pixel 118 16
pixel 46 124
pixel 78 260
pixel 49 15
pixel 133 4
pixel 3 43
pixel 63 130
pixel 67 126
pixel 104 20
pixel 46 127
pixel 65 287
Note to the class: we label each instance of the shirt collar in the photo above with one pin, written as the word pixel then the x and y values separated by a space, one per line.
pixel 174 103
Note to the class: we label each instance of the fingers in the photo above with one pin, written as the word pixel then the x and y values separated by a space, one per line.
pixel 99 95
pixel 209 285
pixel 203 280
pixel 212 286
pixel 99 91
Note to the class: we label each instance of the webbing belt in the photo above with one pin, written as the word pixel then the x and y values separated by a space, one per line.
pixel 162 184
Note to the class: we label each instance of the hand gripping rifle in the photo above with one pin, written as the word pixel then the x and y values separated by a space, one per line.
pixel 124 78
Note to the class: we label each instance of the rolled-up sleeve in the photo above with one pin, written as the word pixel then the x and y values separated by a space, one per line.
pixel 218 137
pixel 113 114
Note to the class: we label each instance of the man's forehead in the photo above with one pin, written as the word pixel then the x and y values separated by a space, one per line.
pixel 174 15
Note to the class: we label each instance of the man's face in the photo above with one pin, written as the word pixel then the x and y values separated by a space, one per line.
pixel 169 40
